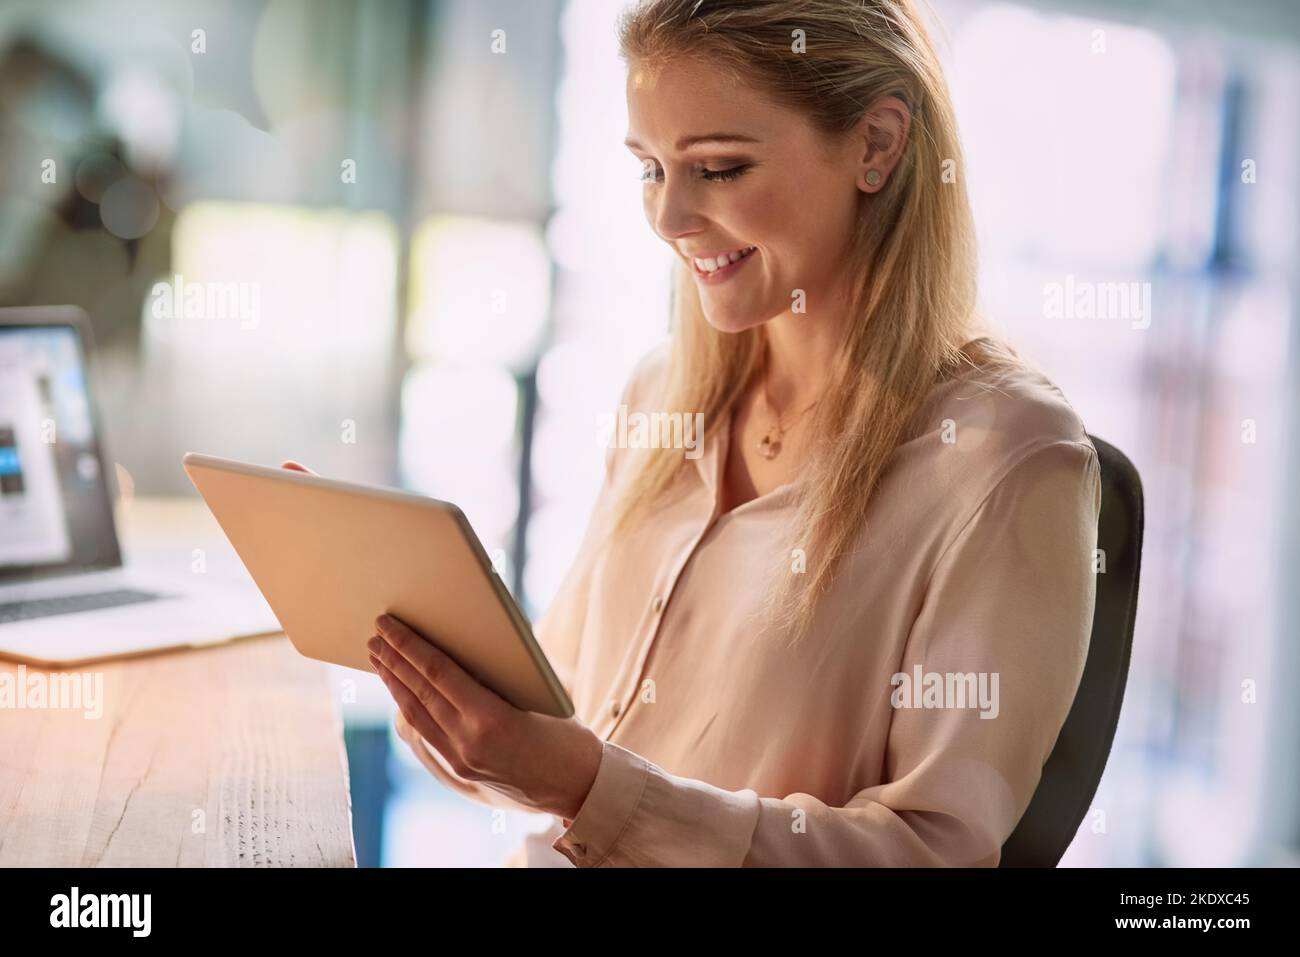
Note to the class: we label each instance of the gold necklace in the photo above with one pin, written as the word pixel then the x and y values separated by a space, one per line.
pixel 769 446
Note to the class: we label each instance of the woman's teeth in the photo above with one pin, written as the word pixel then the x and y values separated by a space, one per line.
pixel 714 264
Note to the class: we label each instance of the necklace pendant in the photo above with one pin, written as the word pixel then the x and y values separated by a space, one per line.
pixel 768 447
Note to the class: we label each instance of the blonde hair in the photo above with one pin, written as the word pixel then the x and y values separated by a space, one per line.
pixel 913 304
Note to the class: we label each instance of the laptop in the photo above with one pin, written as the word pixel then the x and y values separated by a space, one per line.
pixel 66 595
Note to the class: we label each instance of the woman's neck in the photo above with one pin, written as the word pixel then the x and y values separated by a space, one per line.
pixel 801 352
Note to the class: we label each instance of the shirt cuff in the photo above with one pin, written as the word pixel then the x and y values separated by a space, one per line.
pixel 613 799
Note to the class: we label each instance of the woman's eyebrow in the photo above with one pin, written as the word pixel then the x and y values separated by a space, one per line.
pixel 688 141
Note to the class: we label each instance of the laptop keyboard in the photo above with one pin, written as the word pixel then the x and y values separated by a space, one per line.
pixel 67 604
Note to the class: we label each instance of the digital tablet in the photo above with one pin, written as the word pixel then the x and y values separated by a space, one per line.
pixel 330 557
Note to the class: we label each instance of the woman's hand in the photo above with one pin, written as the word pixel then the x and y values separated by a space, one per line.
pixel 536 760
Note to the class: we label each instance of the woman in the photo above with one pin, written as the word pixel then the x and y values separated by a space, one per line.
pixel 850 632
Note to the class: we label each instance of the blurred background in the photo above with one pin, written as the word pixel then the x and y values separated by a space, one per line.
pixel 411 250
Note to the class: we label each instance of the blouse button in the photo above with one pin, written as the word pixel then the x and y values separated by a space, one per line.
pixel 658 603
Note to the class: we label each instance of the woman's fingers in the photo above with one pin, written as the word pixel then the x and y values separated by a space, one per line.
pixel 456 685
pixel 414 740
pixel 417 717
pixel 426 753
pixel 433 700
pixel 424 748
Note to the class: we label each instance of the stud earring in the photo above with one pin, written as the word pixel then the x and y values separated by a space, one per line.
pixel 873 177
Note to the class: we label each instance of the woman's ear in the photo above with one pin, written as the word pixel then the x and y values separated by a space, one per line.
pixel 882 132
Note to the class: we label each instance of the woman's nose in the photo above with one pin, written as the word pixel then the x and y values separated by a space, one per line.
pixel 673 214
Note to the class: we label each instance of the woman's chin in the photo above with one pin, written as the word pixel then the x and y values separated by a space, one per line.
pixel 726 322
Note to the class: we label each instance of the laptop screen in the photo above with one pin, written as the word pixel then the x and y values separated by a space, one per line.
pixel 55 507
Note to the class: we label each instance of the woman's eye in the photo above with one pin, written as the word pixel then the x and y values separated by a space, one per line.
pixel 724 175
pixel 650 173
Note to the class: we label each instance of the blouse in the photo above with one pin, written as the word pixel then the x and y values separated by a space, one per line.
pixel 909 727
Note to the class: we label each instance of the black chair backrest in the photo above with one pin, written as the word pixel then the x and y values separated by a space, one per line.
pixel 1074 768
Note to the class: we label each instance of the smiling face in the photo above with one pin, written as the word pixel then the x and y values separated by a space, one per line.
pixel 778 199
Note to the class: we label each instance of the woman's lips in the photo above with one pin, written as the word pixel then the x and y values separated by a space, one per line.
pixel 726 272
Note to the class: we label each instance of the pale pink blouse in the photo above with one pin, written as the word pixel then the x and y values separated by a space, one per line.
pixel 723 747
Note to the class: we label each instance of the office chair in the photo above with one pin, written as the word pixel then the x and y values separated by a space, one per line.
pixel 1073 769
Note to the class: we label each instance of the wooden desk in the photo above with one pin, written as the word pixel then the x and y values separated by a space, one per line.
pixel 222 757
